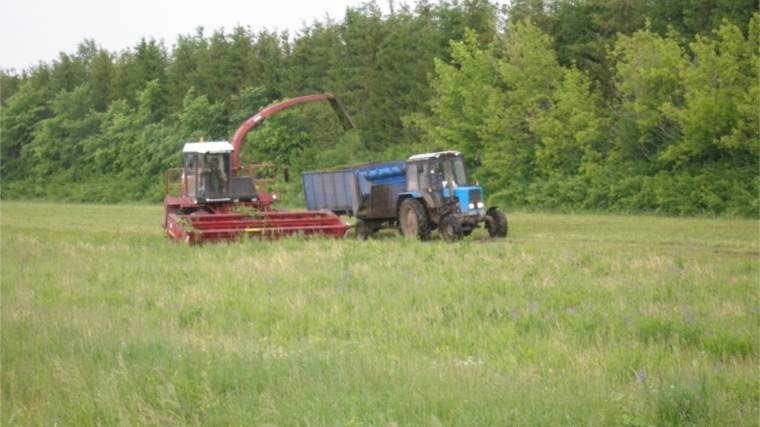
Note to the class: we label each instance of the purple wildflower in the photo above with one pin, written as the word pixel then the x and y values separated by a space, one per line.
pixel 642 376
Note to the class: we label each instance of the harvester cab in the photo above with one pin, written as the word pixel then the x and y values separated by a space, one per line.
pixel 207 174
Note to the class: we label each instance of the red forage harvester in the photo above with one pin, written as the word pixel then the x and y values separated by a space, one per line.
pixel 208 200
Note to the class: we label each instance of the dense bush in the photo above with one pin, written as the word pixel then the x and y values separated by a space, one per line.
pixel 714 189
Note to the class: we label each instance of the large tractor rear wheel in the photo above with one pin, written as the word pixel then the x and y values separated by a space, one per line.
pixel 451 228
pixel 498 226
pixel 414 220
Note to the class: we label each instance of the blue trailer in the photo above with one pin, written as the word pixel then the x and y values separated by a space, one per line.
pixel 345 191
pixel 425 192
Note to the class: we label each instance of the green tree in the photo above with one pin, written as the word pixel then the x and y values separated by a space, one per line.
pixel 269 66
pixel 67 73
pixel 364 33
pixel 132 144
pixel 100 79
pixel 183 72
pixel 488 101
pixel 313 63
pixel 279 140
pixel 58 145
pixel 10 83
pixel 719 115
pixel 19 118
pixel 572 130
pixel 248 102
pixel 118 130
pixel 700 17
pixel 647 83
pixel 538 12
pixel 464 91
pixel 201 119
pixel 136 68
pixel 528 76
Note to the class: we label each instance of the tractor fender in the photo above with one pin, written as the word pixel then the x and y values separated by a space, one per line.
pixel 404 196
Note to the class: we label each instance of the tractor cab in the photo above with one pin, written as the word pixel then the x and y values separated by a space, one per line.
pixel 441 178
pixel 207 176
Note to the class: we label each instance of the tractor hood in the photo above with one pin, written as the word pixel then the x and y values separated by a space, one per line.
pixel 470 199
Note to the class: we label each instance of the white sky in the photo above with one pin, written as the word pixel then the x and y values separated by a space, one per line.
pixel 34 31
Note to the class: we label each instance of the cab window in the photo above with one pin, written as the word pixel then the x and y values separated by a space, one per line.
pixel 411 177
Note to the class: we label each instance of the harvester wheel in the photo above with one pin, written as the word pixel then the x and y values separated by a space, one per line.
pixel 498 226
pixel 363 230
pixel 414 220
pixel 451 228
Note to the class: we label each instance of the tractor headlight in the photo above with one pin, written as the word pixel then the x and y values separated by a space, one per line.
pixel 480 205
pixel 471 206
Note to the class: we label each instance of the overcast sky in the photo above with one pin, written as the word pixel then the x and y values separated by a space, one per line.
pixel 37 30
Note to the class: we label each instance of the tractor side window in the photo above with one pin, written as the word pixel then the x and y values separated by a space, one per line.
pixel 412 179
pixel 424 178
pixel 437 176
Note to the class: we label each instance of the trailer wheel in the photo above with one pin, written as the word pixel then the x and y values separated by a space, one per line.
pixel 498 226
pixel 414 220
pixel 363 230
pixel 451 228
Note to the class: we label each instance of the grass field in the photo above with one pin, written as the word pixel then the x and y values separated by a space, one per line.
pixel 573 320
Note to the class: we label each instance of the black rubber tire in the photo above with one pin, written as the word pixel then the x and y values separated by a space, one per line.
pixel 498 226
pixel 413 219
pixel 451 228
pixel 363 230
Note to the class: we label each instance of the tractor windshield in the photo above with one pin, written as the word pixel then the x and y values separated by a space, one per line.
pixel 459 172
pixel 449 169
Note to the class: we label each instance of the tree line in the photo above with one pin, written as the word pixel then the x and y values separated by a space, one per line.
pixel 614 105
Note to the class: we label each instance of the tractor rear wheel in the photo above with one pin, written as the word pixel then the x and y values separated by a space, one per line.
pixel 498 226
pixel 413 219
pixel 451 228
pixel 363 230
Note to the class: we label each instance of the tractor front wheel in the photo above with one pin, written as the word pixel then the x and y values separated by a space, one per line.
pixel 413 219
pixel 451 228
pixel 497 226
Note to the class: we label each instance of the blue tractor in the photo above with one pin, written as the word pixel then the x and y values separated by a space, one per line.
pixel 424 193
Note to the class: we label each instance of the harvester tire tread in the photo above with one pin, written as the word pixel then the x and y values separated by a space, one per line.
pixel 498 226
pixel 414 220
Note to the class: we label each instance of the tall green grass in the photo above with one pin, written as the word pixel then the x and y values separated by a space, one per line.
pixel 572 320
